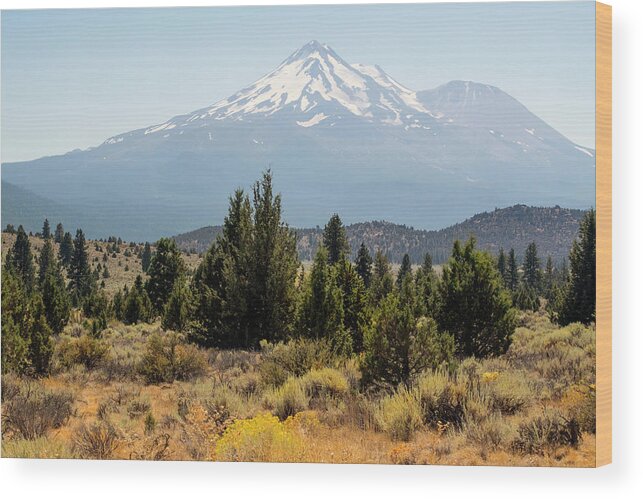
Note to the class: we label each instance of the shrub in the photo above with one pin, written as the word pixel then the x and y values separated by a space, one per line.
pixel 490 433
pixel 32 411
pixel 294 358
pixel 547 431
pixel 326 382
pixel 97 441
pixel 83 350
pixel 400 415
pixel 442 398
pixel 509 392
pixel 288 399
pixel 166 359
pixel 262 438
pixel 137 408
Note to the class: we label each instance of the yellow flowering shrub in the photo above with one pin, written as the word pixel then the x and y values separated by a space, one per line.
pixel 262 438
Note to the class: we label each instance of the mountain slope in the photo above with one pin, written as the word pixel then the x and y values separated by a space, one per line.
pixel 553 230
pixel 339 137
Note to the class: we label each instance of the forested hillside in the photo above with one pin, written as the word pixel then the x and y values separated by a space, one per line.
pixel 552 229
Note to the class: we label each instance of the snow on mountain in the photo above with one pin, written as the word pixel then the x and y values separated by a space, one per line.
pixel 314 86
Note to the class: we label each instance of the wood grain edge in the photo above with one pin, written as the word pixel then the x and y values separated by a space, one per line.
pixel 603 234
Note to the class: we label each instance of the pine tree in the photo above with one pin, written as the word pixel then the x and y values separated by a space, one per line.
pixel 322 313
pixel 146 257
pixel 531 267
pixel 579 296
pixel 502 264
pixel 59 233
pixel 41 347
pixel 15 332
pixel 549 277
pixel 81 279
pixel 137 306
pixel 334 239
pixel 46 230
pixel 354 302
pixel 382 281
pixel 10 229
pixel 165 269
pixel 21 259
pixel 273 267
pixel 55 298
pixel 179 308
pixel 398 346
pixel 475 307
pixel 364 264
pixel 47 257
pixel 426 282
pixel 405 270
pixel 66 249
pixel 511 276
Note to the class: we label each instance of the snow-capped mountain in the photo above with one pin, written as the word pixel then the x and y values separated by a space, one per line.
pixel 339 136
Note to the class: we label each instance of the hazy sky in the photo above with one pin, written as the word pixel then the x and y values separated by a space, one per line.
pixel 72 78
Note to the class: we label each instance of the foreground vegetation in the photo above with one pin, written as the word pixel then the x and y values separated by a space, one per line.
pixel 140 392
pixel 242 354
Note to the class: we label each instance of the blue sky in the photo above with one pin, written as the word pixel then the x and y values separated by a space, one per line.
pixel 72 78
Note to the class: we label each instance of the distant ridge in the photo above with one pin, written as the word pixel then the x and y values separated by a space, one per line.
pixel 553 230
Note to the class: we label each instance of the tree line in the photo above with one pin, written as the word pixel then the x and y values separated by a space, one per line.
pixel 250 286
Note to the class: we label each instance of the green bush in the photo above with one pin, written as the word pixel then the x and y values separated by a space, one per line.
pixel 294 358
pixel 400 415
pixel 288 399
pixel 85 350
pixel 167 359
pixel 509 392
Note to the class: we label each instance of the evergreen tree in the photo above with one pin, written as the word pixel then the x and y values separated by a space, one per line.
pixel 66 249
pixel 46 230
pixel 426 282
pixel 81 279
pixel 21 259
pixel 354 302
pixel 137 306
pixel 398 346
pixel 273 267
pixel 364 264
pixel 47 257
pixel 15 333
pixel 405 270
pixel 322 313
pixel 41 346
pixel 511 276
pixel 59 233
pixel 146 257
pixel 245 286
pixel 10 229
pixel 334 239
pixel 55 298
pixel 531 267
pixel 382 281
pixel 179 308
pixel 475 307
pixel 165 269
pixel 579 296
pixel 549 277
pixel 502 264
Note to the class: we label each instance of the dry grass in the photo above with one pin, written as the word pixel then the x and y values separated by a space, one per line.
pixel 534 406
